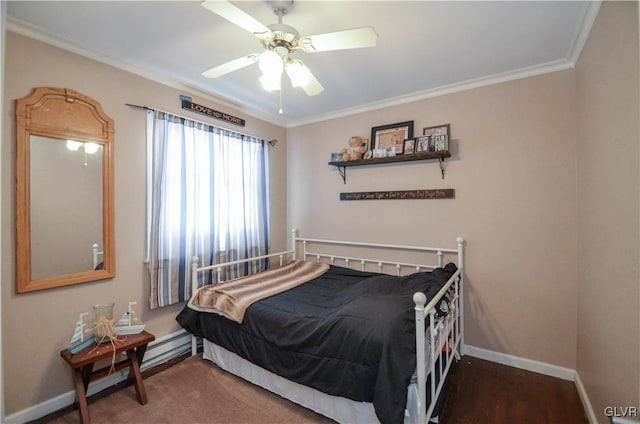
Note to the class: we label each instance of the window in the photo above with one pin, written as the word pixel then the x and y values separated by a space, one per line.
pixel 207 197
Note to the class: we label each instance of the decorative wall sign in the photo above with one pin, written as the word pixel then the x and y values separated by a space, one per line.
pixel 204 110
pixel 443 193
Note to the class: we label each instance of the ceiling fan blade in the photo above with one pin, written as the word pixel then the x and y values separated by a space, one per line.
pixel 231 66
pixel 301 76
pixel 239 17
pixel 340 40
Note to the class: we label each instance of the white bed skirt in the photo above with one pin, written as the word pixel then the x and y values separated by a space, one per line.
pixel 337 408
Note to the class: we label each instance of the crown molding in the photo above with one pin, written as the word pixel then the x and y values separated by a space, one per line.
pixel 587 18
pixel 545 68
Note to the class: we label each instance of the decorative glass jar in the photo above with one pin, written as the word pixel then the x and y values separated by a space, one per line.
pixel 104 322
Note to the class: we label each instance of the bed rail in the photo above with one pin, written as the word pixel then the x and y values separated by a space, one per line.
pixel 445 338
pixel 219 267
pixel 347 260
pixel 380 264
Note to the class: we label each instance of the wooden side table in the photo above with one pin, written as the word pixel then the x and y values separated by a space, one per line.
pixel 135 345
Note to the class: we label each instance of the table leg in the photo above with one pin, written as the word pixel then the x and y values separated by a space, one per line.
pixel 87 370
pixel 134 370
pixel 80 384
pixel 140 351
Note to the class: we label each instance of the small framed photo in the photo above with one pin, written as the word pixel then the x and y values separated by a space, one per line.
pixel 409 146
pixel 439 137
pixel 392 135
pixel 336 157
pixel 422 144
pixel 378 153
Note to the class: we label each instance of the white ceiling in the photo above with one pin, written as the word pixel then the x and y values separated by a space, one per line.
pixel 424 48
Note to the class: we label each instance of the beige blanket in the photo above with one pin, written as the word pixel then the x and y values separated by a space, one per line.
pixel 232 298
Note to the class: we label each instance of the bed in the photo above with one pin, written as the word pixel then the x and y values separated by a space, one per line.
pixel 367 336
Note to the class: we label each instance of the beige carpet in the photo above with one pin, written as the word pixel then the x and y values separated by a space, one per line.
pixel 194 391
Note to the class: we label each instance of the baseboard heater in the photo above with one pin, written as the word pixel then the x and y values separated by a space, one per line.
pixel 160 351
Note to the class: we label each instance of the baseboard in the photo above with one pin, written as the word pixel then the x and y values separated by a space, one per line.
pixel 522 363
pixel 158 352
pixel 586 403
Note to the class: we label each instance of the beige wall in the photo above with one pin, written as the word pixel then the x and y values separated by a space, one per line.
pixel 514 172
pixel 36 326
pixel 608 344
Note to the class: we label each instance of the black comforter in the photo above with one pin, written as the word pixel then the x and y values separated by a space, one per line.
pixel 347 333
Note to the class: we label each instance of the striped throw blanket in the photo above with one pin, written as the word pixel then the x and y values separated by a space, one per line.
pixel 232 298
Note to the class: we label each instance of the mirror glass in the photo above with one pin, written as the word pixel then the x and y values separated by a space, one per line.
pixel 64 190
pixel 65 173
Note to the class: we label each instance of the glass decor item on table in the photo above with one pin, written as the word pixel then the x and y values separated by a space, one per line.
pixel 104 322
pixel 129 323
pixel 82 336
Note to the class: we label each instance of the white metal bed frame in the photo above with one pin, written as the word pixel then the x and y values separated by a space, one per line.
pixel 445 337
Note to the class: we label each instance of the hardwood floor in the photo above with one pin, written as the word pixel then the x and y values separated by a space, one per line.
pixel 483 392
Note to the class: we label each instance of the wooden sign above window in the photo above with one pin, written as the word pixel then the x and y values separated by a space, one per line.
pixel 204 110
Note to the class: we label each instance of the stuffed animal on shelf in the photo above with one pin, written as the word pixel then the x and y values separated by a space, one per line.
pixel 355 150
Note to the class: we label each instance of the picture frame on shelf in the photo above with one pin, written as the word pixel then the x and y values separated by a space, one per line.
pixel 422 144
pixel 336 156
pixel 409 146
pixel 392 135
pixel 378 153
pixel 439 137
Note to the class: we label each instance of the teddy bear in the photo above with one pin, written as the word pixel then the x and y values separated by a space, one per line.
pixel 355 150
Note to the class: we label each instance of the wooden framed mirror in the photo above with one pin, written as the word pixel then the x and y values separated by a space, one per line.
pixel 64 190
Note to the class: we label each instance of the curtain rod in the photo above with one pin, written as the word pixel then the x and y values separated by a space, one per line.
pixel 270 142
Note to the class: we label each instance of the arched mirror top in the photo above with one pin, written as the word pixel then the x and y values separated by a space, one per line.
pixel 64 190
pixel 65 113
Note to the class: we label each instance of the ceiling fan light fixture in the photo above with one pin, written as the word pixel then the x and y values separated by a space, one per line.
pixel 271 64
pixel 298 73
pixel 270 83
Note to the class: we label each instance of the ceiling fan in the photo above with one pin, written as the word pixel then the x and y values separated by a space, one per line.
pixel 280 41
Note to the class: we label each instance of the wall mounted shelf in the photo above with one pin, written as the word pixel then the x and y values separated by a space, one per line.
pixel 343 165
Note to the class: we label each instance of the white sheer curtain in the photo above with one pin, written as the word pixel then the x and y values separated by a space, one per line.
pixel 208 197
